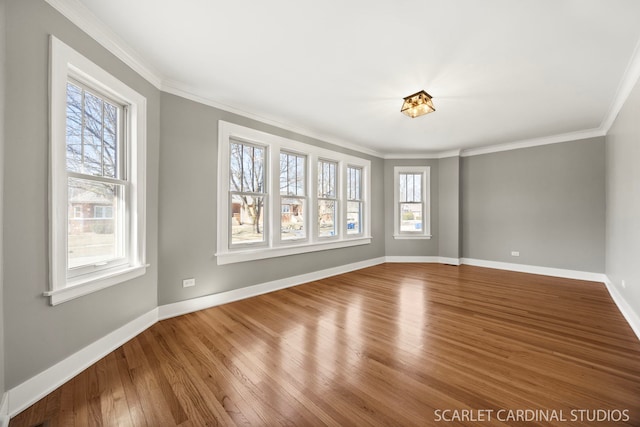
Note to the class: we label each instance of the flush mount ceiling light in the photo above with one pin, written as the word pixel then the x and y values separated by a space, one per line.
pixel 417 104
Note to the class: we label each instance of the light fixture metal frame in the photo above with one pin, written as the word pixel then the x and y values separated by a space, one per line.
pixel 418 104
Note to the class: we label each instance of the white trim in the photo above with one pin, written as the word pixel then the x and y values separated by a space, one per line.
pixel 295 249
pixel 409 237
pixel 534 269
pixel 425 155
pixel 534 142
pixel 626 85
pixel 61 295
pixel 188 306
pixel 423 259
pixel 450 261
pixel 32 390
pixel 83 18
pixel 632 318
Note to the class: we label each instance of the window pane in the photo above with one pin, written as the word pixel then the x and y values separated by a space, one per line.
pixel 411 217
pixel 417 187
pixel 110 140
pixel 292 174
pixel 247 219
pixel 292 219
pixel 327 179
pixel 354 176
pixel 74 128
pixel 95 222
pixel 410 187
pixel 246 171
pixel 326 218
pixel 354 217
pixel 235 167
pixel 92 134
pixel 300 165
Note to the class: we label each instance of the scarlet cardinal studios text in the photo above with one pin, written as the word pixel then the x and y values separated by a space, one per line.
pixel 483 415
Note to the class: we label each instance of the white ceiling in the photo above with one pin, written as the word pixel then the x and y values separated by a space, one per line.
pixel 499 70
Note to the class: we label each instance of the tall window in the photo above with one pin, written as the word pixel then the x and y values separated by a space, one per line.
pixel 411 202
pixel 95 179
pixel 248 196
pixel 354 200
pixel 292 196
pixel 327 198
pixel 98 152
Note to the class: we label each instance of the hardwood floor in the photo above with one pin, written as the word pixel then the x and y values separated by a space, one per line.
pixel 394 344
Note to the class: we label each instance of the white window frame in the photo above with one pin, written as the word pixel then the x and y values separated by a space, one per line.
pixel 425 233
pixel 226 254
pixel 66 64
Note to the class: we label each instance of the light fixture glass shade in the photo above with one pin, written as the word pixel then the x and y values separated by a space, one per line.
pixel 417 104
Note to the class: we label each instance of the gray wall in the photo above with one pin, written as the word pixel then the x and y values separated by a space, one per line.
pixel 410 247
pixel 2 112
pixel 188 187
pixel 623 201
pixel 449 207
pixel 40 335
pixel 548 202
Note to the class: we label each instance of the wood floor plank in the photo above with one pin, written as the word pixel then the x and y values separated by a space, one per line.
pixel 386 345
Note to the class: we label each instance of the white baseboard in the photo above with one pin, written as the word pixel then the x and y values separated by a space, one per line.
pixel 627 311
pixel 32 390
pixel 188 306
pixel 425 259
pixel 533 269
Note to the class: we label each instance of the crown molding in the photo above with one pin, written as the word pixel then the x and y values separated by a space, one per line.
pixel 424 155
pixel 187 92
pixel 627 83
pixel 82 17
pixel 534 142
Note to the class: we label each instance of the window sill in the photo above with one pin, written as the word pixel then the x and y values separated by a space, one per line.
pixel 262 253
pixel 409 236
pixel 79 288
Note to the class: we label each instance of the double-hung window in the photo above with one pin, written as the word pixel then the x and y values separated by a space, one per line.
pixel 279 197
pixel 411 202
pixel 327 198
pixel 293 201
pixel 248 197
pixel 97 177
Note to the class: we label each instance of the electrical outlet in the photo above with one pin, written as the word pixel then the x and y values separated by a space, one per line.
pixel 187 283
pixel 515 253
pixel 624 284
